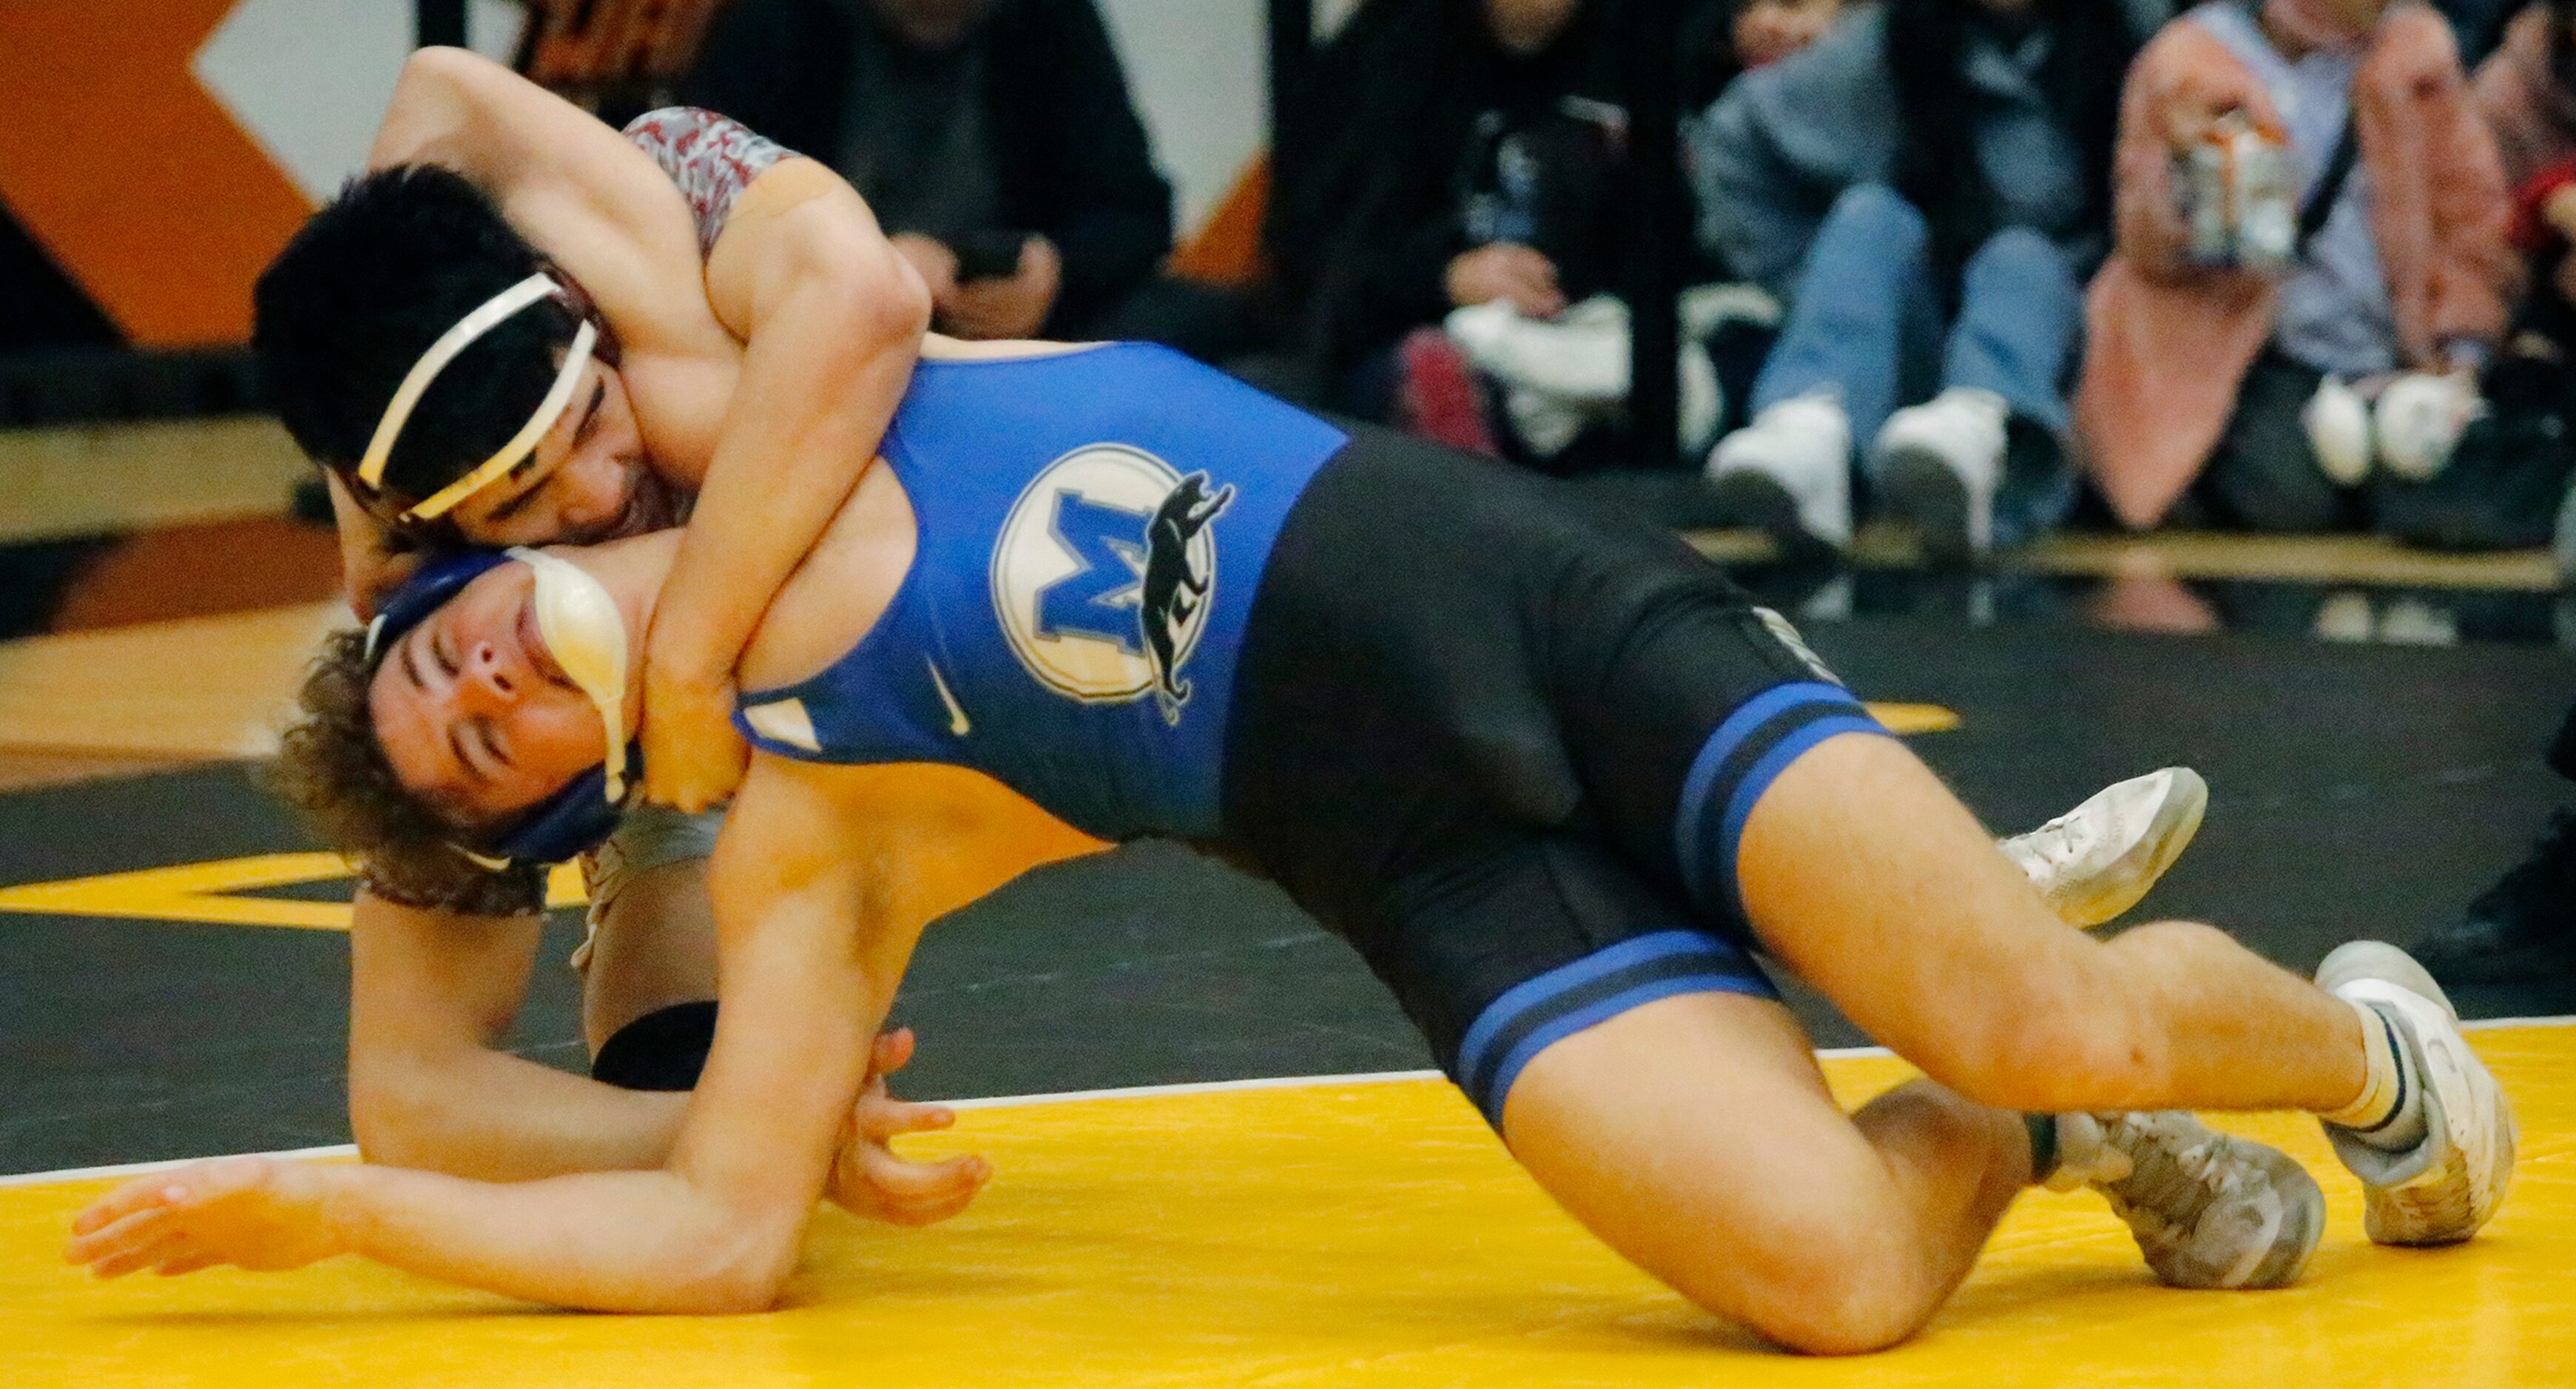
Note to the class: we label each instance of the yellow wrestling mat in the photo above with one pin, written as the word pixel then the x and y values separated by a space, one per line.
pixel 1345 1233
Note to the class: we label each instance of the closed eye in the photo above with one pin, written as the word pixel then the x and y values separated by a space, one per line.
pixel 521 502
pixel 456 749
pixel 590 413
pixel 580 434
pixel 491 740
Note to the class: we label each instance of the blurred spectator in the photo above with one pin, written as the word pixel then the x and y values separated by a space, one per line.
pixel 1926 186
pixel 2527 90
pixel 993 138
pixel 1766 31
pixel 2238 394
pixel 2506 482
pixel 1460 152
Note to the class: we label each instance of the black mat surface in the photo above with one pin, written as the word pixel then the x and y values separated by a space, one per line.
pixel 2357 791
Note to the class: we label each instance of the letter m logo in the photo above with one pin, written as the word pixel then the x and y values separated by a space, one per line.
pixel 1099 599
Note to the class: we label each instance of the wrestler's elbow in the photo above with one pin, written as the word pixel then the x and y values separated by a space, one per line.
pixel 394 1114
pixel 450 71
pixel 411 1106
pixel 438 104
pixel 850 273
pixel 741 1265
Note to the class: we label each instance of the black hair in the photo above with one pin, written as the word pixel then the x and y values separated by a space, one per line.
pixel 362 291
pixel 2090 47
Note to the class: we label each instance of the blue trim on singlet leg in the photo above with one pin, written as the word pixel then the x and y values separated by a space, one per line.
pixel 1538 1013
pixel 1825 710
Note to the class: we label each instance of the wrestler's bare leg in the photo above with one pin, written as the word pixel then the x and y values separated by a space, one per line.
pixel 1695 1136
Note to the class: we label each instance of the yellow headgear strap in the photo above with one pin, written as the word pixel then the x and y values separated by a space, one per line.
pixel 492 314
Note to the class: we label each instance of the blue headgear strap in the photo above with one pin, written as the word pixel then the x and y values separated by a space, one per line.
pixel 563 825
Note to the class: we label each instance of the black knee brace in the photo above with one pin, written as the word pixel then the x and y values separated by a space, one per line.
pixel 662 1050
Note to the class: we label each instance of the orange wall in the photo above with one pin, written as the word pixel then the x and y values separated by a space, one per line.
pixel 129 174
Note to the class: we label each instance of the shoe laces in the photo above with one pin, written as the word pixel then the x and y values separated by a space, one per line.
pixel 2063 840
pixel 2171 1184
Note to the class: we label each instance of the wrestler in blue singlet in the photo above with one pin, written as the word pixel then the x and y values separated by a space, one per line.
pixel 1093 526
pixel 1502 746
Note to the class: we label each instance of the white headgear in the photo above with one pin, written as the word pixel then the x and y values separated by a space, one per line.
pixel 495 311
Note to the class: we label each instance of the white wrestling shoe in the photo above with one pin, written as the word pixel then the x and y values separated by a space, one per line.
pixel 1789 472
pixel 2447 1186
pixel 2095 861
pixel 2208 1209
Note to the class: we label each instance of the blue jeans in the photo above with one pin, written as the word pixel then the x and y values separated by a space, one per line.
pixel 1866 324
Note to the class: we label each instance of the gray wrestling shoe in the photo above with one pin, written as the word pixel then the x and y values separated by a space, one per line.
pixel 2208 1209
pixel 2447 1186
pixel 2095 861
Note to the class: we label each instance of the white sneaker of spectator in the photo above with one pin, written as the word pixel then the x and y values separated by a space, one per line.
pixel 1558 375
pixel 1579 357
pixel 1938 465
pixel 2419 420
pixel 2337 422
pixel 1789 472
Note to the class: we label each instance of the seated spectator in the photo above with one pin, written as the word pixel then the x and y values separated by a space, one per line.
pixel 2237 393
pixel 1926 188
pixel 993 138
pixel 2506 485
pixel 1463 152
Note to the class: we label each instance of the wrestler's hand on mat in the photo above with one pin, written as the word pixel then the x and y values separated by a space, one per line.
pixel 255 1212
pixel 869 1180
pixel 693 758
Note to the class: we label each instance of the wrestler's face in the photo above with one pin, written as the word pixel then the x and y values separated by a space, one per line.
pixel 586 481
pixel 472 710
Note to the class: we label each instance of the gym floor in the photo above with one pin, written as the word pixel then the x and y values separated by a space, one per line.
pixel 1272 1189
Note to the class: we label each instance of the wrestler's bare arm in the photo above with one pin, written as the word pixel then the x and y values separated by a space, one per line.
pixel 594 203
pixel 831 319
pixel 817 916
pixel 432 995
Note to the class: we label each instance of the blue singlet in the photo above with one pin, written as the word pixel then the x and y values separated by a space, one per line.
pixel 1093 526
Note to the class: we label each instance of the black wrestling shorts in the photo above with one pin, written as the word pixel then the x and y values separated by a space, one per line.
pixel 1505 743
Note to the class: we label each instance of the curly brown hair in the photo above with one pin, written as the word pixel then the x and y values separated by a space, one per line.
pixel 333 771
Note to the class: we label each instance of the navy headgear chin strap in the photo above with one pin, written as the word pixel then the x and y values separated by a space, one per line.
pixel 562 826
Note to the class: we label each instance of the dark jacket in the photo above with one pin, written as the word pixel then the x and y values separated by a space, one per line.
pixel 1367 211
pixel 1072 158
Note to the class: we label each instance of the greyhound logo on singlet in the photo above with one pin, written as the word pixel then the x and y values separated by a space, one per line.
pixel 1105 573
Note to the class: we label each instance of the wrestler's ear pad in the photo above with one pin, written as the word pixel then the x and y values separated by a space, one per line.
pixel 566 824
